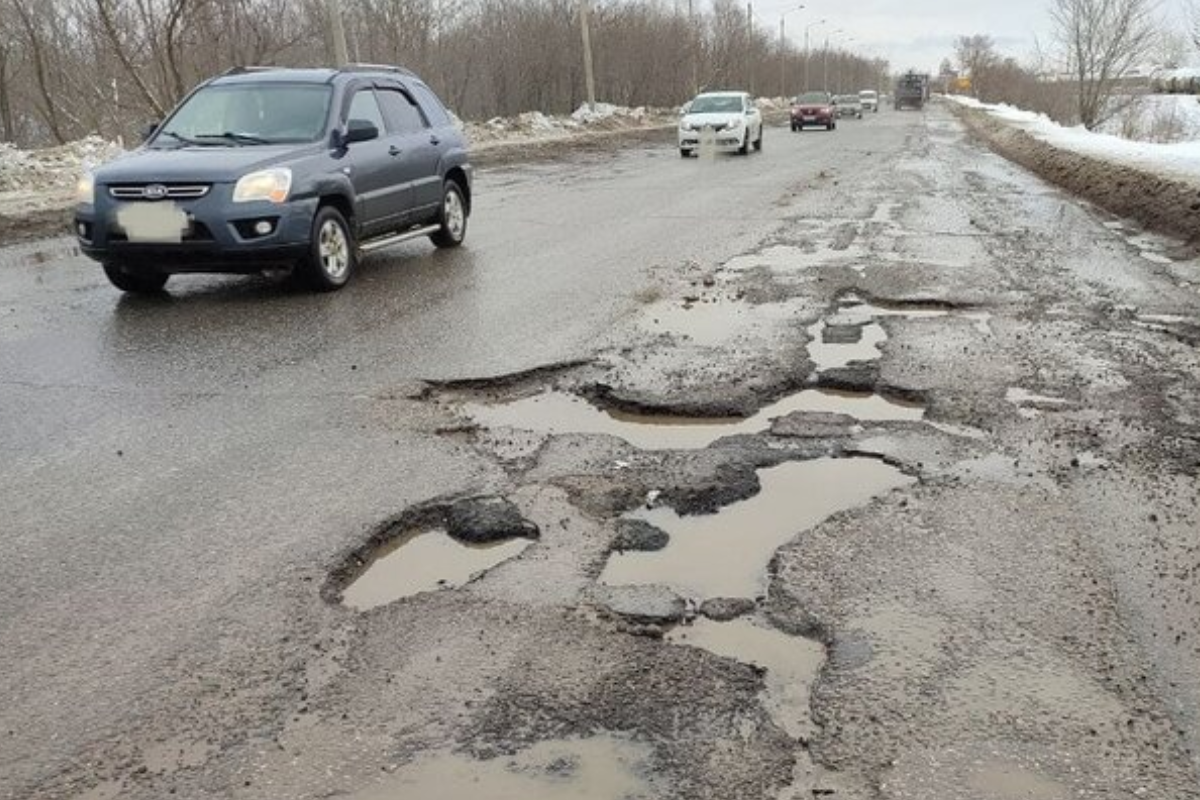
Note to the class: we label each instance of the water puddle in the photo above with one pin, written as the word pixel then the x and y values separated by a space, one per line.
pixel 834 354
pixel 601 768
pixel 855 310
pixel 715 322
pixel 424 561
pixel 560 413
pixel 1004 781
pixel 726 554
pixel 792 664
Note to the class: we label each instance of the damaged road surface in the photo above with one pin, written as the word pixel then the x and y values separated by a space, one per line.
pixel 776 476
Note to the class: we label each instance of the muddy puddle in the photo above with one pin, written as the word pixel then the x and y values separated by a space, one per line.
pixel 715 322
pixel 726 554
pixel 792 664
pixel 855 310
pixel 424 561
pixel 828 353
pixel 560 413
pixel 601 768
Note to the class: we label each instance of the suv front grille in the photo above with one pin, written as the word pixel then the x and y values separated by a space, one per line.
pixel 159 191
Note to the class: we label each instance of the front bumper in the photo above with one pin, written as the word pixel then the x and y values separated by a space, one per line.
pixel 803 119
pixel 726 139
pixel 218 237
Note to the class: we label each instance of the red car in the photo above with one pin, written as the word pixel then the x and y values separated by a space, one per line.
pixel 813 108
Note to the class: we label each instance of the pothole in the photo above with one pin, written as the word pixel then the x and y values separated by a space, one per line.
pixel 832 346
pixel 432 546
pixel 424 561
pixel 791 662
pixel 555 412
pixel 856 310
pixel 715 321
pixel 1030 405
pixel 600 768
pixel 726 554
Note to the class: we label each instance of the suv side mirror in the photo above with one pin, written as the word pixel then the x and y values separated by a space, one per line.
pixel 360 130
pixel 148 130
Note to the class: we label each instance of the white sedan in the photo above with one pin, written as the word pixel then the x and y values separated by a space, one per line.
pixel 727 121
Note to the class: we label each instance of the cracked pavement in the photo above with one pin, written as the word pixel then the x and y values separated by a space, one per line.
pixel 999 597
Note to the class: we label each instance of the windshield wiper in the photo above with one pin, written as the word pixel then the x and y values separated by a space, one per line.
pixel 235 136
pixel 180 137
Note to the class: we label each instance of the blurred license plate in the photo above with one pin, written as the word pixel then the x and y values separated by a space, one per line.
pixel 153 222
pixel 809 119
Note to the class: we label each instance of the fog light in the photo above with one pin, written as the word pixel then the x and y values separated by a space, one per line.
pixel 82 230
pixel 263 227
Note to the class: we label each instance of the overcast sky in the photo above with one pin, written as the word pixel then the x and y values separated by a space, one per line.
pixel 919 33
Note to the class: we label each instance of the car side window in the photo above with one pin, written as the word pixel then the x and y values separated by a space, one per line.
pixel 364 106
pixel 402 114
pixel 433 108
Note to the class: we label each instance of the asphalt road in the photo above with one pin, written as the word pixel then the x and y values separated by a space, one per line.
pixel 179 476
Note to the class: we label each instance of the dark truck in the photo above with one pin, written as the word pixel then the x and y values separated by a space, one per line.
pixel 912 90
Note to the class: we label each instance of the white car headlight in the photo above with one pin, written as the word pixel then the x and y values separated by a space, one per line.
pixel 273 185
pixel 85 189
pixel 735 123
pixel 684 125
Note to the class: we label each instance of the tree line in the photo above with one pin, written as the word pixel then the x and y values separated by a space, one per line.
pixel 70 68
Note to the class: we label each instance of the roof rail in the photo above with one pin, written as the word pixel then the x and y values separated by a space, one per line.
pixel 242 70
pixel 357 67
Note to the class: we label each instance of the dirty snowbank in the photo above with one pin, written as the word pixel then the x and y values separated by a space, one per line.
pixel 1180 159
pixel 1156 184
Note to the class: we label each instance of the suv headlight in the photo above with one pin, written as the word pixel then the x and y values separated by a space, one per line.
pixel 272 185
pixel 85 189
pixel 684 125
pixel 734 123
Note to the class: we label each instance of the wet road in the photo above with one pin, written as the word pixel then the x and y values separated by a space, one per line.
pixel 181 474
pixel 169 463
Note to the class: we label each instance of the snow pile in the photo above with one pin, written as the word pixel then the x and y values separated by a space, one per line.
pixel 1179 159
pixel 52 168
pixel 534 125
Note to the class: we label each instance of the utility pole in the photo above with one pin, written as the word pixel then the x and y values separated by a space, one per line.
pixel 588 76
pixel 749 46
pixel 341 54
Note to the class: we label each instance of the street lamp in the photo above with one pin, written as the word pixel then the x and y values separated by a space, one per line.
pixel 807 28
pixel 782 78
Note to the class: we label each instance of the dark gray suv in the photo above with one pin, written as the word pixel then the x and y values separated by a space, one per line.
pixel 265 168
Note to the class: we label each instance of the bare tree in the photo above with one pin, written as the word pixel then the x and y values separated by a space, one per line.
pixel 976 55
pixel 1103 40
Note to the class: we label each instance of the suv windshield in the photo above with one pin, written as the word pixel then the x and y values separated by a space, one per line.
pixel 812 99
pixel 248 114
pixel 716 105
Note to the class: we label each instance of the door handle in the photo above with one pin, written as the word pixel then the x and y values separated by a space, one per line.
pixel 434 140
pixel 394 151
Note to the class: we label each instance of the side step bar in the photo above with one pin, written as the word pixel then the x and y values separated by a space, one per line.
pixel 388 241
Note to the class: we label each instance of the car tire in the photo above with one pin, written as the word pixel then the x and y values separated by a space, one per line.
pixel 758 141
pixel 332 255
pixel 685 153
pixel 134 282
pixel 745 148
pixel 452 218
